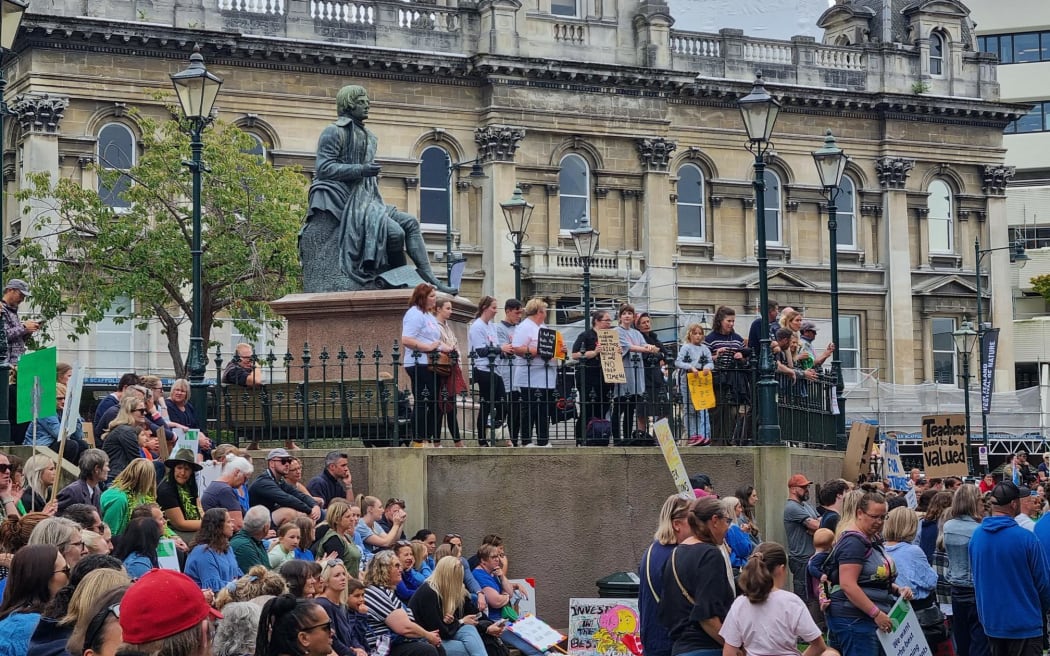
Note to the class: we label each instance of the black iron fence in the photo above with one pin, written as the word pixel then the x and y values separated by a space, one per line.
pixel 370 397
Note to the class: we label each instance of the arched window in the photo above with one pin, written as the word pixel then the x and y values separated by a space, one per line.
pixel 936 54
pixel 773 211
pixel 690 202
pixel 847 214
pixel 435 201
pixel 116 151
pixel 574 191
pixel 259 149
pixel 939 219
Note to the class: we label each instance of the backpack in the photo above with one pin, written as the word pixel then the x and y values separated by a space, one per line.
pixel 831 564
pixel 598 433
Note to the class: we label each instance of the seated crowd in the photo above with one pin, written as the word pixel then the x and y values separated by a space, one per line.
pixel 270 566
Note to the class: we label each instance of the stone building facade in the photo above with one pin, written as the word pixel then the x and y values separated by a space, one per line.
pixel 596 107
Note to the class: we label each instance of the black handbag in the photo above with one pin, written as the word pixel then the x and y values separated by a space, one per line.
pixel 932 621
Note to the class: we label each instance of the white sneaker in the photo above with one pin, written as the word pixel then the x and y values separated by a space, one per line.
pixel 530 445
pixel 546 446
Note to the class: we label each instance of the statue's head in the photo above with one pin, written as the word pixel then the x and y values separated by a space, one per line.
pixel 348 97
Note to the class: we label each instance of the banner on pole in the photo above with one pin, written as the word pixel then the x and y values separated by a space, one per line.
pixel 989 349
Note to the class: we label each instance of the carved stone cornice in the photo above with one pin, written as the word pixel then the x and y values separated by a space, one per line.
pixel 716 201
pixel 749 202
pixel 995 177
pixel 84 160
pixel 791 205
pixel 601 192
pixel 655 154
pixel 463 185
pixel 525 186
pixel 893 171
pixel 552 189
pixel 410 183
pixel 923 212
pixel 871 210
pixel 498 143
pixel 633 193
pixel 39 112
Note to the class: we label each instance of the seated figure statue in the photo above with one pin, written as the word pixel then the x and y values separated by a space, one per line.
pixel 351 239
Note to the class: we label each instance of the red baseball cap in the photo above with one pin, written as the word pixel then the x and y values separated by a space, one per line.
pixel 798 480
pixel 161 604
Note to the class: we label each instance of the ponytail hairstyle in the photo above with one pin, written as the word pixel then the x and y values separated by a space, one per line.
pixel 756 576
pixel 484 303
pixel 279 624
pixel 702 511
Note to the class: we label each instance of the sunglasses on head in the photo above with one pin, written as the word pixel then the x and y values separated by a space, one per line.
pixel 452 536
pixel 332 562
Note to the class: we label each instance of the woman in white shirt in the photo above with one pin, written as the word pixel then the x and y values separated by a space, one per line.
pixel 421 337
pixel 534 376
pixel 484 345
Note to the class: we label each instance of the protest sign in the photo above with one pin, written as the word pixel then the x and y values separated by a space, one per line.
pixel 547 343
pixel 891 456
pixel 906 638
pixel 701 389
pixel 525 605
pixel 536 632
pixel 187 439
pixel 604 627
pixel 611 357
pixel 166 556
pixel 858 450
pixel 673 460
pixel 944 445
pixel 36 371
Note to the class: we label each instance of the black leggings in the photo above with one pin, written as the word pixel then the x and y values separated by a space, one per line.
pixel 425 392
pixel 491 392
pixel 415 647
pixel 536 413
pixel 625 407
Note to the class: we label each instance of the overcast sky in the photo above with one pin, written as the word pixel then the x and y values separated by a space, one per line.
pixel 771 19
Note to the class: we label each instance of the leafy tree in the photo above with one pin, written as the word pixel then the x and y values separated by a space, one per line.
pixel 1041 284
pixel 82 256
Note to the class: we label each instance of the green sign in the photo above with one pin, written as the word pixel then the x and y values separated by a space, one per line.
pixel 36 375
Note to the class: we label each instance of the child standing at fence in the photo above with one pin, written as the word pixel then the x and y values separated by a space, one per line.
pixel 692 357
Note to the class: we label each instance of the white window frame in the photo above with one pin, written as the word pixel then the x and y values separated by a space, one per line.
pixel 933 218
pixel 106 360
pixel 776 205
pixel 850 324
pixel 938 44
pixel 847 214
pixel 447 189
pixel 102 160
pixel 679 203
pixel 563 230
pixel 953 357
pixel 260 345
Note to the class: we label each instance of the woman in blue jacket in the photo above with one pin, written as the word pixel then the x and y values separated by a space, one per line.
pixel 138 547
pixel 739 542
pixel 38 572
pixel 211 562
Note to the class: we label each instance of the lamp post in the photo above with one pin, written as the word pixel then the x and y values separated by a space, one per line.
pixel 1017 254
pixel 965 337
pixel 196 90
pixel 11 12
pixel 831 163
pixel 585 239
pixel 517 211
pixel 759 111
pixel 477 174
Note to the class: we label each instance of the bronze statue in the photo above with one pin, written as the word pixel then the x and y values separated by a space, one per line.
pixel 352 239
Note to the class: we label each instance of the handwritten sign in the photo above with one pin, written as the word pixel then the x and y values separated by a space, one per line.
pixel 891 456
pixel 536 632
pixel 701 389
pixel 858 450
pixel 611 356
pixel 673 460
pixel 944 445
pixel 547 343
pixel 604 627
pixel 906 638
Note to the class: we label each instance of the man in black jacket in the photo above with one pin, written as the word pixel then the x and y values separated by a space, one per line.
pixel 282 500
pixel 334 481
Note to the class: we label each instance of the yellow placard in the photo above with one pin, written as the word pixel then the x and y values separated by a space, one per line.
pixel 673 459
pixel 701 389
pixel 559 347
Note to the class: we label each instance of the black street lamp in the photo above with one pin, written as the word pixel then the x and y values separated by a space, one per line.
pixel 11 12
pixel 1017 254
pixel 477 174
pixel 196 90
pixel 585 239
pixel 517 211
pixel 759 111
pixel 965 337
pixel 831 163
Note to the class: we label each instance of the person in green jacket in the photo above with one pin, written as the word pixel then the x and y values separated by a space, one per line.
pixel 136 485
pixel 247 543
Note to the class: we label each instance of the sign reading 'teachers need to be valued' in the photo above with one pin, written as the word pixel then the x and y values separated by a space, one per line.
pixel 944 445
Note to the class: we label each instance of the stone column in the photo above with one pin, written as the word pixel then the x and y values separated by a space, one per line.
pixel 652 29
pixel 900 323
pixel 996 177
pixel 497 145
pixel 659 236
pixel 39 116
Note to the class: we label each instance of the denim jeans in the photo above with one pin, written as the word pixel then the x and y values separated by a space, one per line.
pixel 854 635
pixel 466 642
pixel 515 642
pixel 967 631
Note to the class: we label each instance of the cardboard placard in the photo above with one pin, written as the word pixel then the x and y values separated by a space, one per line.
pixel 525 605
pixel 187 439
pixel 891 456
pixel 547 343
pixel 37 369
pixel 673 460
pixel 611 356
pixel 906 638
pixel 858 450
pixel 944 445
pixel 701 389
pixel 604 627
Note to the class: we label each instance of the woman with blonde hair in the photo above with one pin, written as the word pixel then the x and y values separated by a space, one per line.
pixel 129 436
pixel 535 377
pixel 438 605
pixel 672 528
pixel 848 513
pixel 694 356
pixel 334 600
pixel 136 484
pixel 337 536
pixel 40 472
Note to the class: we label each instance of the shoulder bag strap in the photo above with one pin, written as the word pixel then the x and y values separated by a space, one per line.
pixel 649 573
pixel 674 570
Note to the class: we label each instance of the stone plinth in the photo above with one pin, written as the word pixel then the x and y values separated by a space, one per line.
pixel 366 320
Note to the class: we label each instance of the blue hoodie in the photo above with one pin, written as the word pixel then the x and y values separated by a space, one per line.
pixel 1007 562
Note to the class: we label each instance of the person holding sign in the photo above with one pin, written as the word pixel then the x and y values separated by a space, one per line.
pixel 694 356
pixel 533 375
pixel 47 431
pixel 595 393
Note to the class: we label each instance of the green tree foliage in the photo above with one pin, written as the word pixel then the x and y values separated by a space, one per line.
pixel 1041 284
pixel 82 256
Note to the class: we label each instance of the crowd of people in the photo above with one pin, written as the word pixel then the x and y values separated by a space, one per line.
pixel 180 566
pixel 519 384
pixel 971 559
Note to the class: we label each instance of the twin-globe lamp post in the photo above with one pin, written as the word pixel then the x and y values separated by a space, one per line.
pixel 196 90
pixel 11 12
pixel 759 111
pixel 831 163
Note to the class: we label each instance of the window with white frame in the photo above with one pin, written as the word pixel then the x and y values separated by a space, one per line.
pixel 690 204
pixel 936 54
pixel 574 191
pixel 435 199
pixel 564 8
pixel 939 218
pixel 773 207
pixel 846 215
pixel 260 344
pixel 114 343
pixel 116 151
pixel 944 357
pixel 259 149
pixel 848 348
